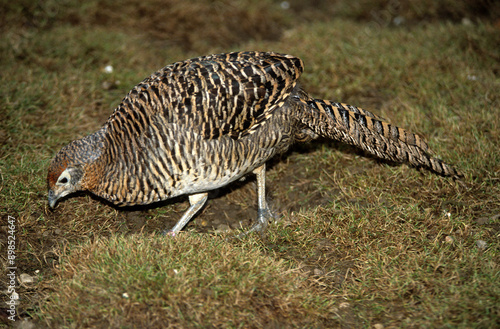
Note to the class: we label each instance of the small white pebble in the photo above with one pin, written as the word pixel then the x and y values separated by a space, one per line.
pixel 37 271
pixel 125 295
pixel 175 271
pixel 317 271
pixel 398 20
pixel 223 228
pixel 448 239
pixel 26 278
pixel 285 5
pixel 481 244
pixel 108 69
pixel 448 214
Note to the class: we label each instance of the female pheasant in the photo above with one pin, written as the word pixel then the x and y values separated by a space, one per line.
pixel 200 124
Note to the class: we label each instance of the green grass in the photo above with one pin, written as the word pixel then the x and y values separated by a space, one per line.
pixel 357 242
pixel 172 282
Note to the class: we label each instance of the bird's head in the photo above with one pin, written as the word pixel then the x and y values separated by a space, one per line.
pixel 68 170
pixel 64 177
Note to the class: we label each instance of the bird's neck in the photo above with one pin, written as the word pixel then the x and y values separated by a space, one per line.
pixel 92 151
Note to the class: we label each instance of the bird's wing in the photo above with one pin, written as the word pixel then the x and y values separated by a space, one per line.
pixel 225 94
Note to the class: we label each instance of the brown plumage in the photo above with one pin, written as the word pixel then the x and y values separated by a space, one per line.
pixel 200 124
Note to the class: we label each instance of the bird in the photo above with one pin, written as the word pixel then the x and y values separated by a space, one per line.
pixel 200 124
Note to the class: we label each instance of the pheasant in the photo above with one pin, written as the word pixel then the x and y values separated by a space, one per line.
pixel 200 124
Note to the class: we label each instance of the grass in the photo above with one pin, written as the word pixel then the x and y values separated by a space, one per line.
pixel 170 283
pixel 357 242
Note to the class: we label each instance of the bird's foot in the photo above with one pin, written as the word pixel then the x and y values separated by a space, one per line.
pixel 263 218
pixel 169 233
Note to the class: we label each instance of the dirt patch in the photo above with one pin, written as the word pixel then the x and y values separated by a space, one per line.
pixel 199 25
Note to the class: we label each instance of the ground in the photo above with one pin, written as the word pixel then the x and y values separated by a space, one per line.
pixel 356 242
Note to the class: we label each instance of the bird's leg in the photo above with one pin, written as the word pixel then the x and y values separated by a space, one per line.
pixel 196 201
pixel 264 214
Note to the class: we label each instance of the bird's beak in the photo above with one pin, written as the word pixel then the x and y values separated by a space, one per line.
pixel 52 199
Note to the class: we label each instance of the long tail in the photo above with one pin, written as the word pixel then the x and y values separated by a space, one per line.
pixel 363 129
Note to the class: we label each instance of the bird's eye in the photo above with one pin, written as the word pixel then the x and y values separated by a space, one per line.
pixel 64 178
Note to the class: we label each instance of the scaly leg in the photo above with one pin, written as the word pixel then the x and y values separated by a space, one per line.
pixel 196 201
pixel 264 214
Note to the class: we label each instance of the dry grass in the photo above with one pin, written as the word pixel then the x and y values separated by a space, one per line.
pixel 358 242
pixel 192 281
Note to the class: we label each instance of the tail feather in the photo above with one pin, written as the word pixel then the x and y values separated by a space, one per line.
pixel 363 129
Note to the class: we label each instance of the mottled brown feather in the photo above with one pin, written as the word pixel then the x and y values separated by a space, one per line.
pixel 200 124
